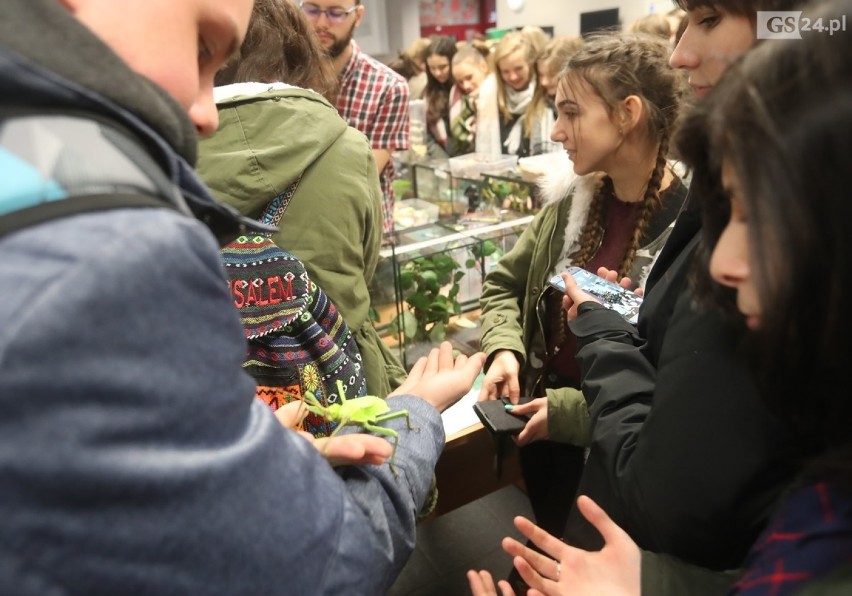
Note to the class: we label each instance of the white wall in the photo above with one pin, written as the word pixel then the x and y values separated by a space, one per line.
pixel 390 25
pixel 372 34
pixel 564 15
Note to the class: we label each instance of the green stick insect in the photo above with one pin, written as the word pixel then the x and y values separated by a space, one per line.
pixel 368 412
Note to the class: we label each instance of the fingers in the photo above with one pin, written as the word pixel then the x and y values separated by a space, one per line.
pixel 514 388
pixel 533 578
pixel 608 274
pixel 354 449
pixel 600 520
pixel 446 361
pixel 542 563
pixel 481 583
pixel 290 414
pixel 531 407
pixel 545 541
pixel 473 364
pixel 433 361
pixel 488 391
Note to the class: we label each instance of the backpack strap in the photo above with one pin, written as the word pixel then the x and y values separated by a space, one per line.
pixel 56 165
pixel 277 206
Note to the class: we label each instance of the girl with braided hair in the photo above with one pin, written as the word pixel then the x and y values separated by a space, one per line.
pixel 617 101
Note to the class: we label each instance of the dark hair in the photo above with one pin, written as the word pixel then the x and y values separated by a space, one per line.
pixel 281 46
pixel 404 65
pixel 616 66
pixel 746 8
pixel 781 118
pixel 436 94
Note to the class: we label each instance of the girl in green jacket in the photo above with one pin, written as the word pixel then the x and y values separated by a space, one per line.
pixel 617 100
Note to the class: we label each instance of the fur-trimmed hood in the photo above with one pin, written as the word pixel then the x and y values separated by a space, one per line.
pixel 561 183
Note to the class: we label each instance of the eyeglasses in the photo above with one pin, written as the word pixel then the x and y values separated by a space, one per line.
pixel 335 15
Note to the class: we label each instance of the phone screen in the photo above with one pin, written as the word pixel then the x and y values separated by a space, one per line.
pixel 609 294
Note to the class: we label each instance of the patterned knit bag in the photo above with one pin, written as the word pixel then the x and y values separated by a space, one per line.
pixel 297 339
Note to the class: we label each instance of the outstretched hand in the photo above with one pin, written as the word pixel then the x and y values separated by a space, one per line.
pixel 440 378
pixel 614 570
pixel 482 584
pixel 339 450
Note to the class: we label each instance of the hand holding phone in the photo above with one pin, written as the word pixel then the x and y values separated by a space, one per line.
pixel 609 294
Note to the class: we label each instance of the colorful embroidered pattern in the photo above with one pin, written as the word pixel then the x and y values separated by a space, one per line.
pixel 297 340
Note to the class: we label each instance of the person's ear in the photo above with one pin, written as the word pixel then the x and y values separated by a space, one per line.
pixel 630 113
pixel 359 14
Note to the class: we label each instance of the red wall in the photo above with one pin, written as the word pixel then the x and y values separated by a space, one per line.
pixel 462 32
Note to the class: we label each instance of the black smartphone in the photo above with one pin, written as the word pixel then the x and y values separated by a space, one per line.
pixel 611 295
pixel 497 420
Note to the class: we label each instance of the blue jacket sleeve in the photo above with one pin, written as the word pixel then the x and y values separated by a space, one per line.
pixel 134 454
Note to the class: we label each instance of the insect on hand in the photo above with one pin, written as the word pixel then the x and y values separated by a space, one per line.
pixel 368 412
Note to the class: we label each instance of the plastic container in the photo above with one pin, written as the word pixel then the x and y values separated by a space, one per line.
pixel 473 165
pixel 414 212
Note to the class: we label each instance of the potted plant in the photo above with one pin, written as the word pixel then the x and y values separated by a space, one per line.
pixel 427 307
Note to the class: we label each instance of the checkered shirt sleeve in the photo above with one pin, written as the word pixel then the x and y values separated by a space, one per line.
pixel 374 99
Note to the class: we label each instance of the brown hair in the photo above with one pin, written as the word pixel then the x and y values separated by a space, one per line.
pixel 436 94
pixel 615 67
pixel 555 55
pixel 281 46
pixel 652 24
pixel 746 8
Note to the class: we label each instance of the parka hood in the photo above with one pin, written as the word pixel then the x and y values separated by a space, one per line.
pixel 268 135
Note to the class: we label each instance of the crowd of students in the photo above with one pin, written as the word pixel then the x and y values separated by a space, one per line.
pixel 703 451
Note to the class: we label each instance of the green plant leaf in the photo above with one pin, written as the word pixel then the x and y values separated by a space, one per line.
pixel 488 248
pixel 430 280
pixel 406 280
pixel 408 324
pixel 438 332
pixel 418 301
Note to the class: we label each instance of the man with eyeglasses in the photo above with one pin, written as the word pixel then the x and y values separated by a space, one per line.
pixel 373 98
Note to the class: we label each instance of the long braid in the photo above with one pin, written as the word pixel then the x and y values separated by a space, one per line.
pixel 650 203
pixel 615 67
pixel 592 234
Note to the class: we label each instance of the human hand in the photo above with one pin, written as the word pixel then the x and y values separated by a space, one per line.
pixel 624 282
pixel 482 584
pixel 536 428
pixel 573 297
pixel 502 378
pixel 354 449
pixel 441 379
pixel 614 570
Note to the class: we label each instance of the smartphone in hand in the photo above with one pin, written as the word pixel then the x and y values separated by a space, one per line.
pixel 609 294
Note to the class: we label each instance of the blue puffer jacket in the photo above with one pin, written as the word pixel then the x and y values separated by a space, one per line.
pixel 134 458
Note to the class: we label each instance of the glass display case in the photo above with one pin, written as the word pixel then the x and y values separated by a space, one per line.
pixel 510 190
pixel 428 282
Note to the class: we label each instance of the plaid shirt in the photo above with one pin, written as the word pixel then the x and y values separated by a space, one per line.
pixel 374 99
pixel 810 534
